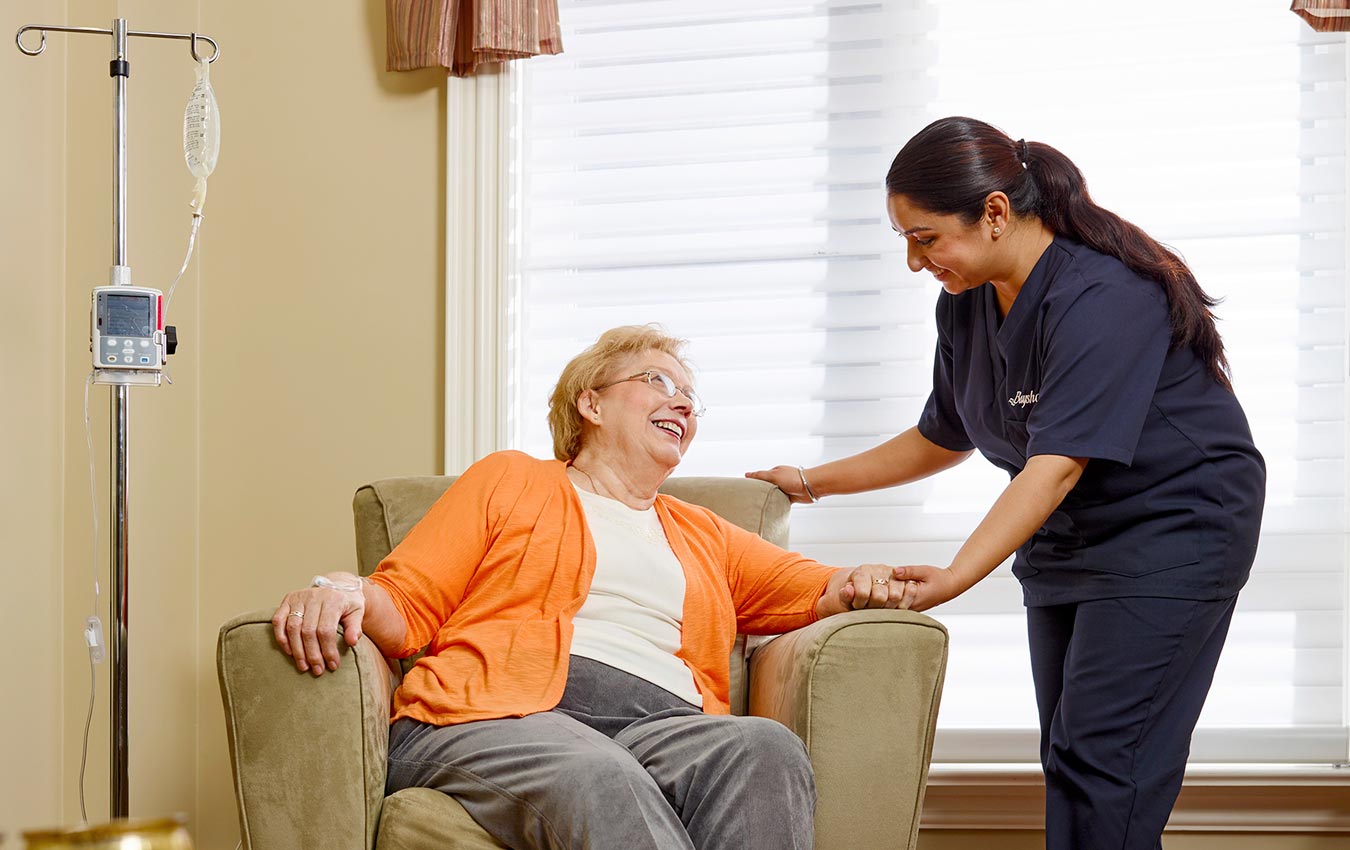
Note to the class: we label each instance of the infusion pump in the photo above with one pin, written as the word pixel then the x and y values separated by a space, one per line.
pixel 127 334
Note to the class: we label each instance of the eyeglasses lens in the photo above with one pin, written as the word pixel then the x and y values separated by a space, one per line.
pixel 669 386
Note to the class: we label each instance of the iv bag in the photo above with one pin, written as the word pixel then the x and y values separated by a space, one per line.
pixel 201 132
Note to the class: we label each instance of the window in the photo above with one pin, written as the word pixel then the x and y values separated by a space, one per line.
pixel 717 165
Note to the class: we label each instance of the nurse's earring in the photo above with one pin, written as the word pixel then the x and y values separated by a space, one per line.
pixel 998 230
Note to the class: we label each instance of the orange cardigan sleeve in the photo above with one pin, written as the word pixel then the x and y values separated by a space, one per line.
pixel 774 590
pixel 428 573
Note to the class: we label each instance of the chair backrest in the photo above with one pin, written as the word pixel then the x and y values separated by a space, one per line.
pixel 386 510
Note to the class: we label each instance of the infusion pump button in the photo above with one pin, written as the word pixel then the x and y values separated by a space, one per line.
pixel 112 343
pixel 112 358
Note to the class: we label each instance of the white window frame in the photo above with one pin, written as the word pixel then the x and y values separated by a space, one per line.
pixel 480 264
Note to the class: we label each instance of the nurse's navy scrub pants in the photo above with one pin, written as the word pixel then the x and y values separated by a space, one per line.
pixel 1119 684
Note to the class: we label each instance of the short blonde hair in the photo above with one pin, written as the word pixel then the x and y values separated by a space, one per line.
pixel 592 368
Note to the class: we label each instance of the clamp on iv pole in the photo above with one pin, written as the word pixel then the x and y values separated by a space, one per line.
pixel 119 69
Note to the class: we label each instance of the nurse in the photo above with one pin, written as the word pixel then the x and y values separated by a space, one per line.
pixel 1080 356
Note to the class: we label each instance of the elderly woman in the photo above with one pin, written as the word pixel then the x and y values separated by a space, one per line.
pixel 578 626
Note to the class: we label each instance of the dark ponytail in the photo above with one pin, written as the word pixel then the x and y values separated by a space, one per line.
pixel 953 164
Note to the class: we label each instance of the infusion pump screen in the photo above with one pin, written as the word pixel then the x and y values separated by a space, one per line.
pixel 129 315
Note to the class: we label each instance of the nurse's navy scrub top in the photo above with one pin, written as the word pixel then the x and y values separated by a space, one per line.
pixel 1170 502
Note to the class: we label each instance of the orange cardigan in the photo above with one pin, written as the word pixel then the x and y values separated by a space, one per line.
pixel 491 577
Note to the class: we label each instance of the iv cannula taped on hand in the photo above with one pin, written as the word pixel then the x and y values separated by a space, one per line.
pixel 201 133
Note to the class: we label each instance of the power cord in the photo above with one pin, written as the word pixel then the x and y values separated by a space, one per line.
pixel 93 626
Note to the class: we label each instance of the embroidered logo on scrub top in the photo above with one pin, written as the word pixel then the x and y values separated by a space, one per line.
pixel 1021 399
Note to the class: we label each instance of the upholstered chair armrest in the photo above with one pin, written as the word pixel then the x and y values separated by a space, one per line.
pixel 862 690
pixel 308 753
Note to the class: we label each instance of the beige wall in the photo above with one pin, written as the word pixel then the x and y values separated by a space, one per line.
pixel 32 239
pixel 312 330
pixel 311 327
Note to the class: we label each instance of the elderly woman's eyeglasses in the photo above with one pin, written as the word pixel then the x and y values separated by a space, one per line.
pixel 665 384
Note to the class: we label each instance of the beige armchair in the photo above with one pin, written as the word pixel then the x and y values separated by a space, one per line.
pixel 861 689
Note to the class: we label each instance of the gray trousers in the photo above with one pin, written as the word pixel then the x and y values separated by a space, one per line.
pixel 620 764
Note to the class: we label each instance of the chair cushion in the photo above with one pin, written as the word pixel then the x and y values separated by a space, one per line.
pixel 423 819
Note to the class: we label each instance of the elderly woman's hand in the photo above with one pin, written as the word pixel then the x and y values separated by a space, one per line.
pixel 306 622
pixel 867 586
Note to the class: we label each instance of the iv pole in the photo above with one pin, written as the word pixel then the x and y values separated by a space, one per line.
pixel 119 69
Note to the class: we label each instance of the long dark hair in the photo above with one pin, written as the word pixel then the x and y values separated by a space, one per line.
pixel 953 164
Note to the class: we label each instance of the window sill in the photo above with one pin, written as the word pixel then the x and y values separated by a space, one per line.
pixel 1214 798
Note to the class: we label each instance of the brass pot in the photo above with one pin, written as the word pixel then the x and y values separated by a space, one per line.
pixel 160 834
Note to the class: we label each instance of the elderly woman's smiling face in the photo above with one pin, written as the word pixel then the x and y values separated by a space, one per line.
pixel 635 418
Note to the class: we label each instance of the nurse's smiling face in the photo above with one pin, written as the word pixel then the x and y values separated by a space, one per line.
pixel 961 256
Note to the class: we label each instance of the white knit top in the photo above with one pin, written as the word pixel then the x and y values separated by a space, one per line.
pixel 632 618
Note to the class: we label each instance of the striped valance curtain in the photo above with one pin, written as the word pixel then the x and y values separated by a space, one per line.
pixel 462 35
pixel 1324 15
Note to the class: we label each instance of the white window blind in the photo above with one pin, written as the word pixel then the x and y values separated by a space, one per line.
pixel 717 165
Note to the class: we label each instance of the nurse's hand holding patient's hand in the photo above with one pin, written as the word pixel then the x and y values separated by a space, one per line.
pixel 927 586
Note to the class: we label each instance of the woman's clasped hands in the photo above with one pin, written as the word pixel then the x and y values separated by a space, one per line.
pixel 915 587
